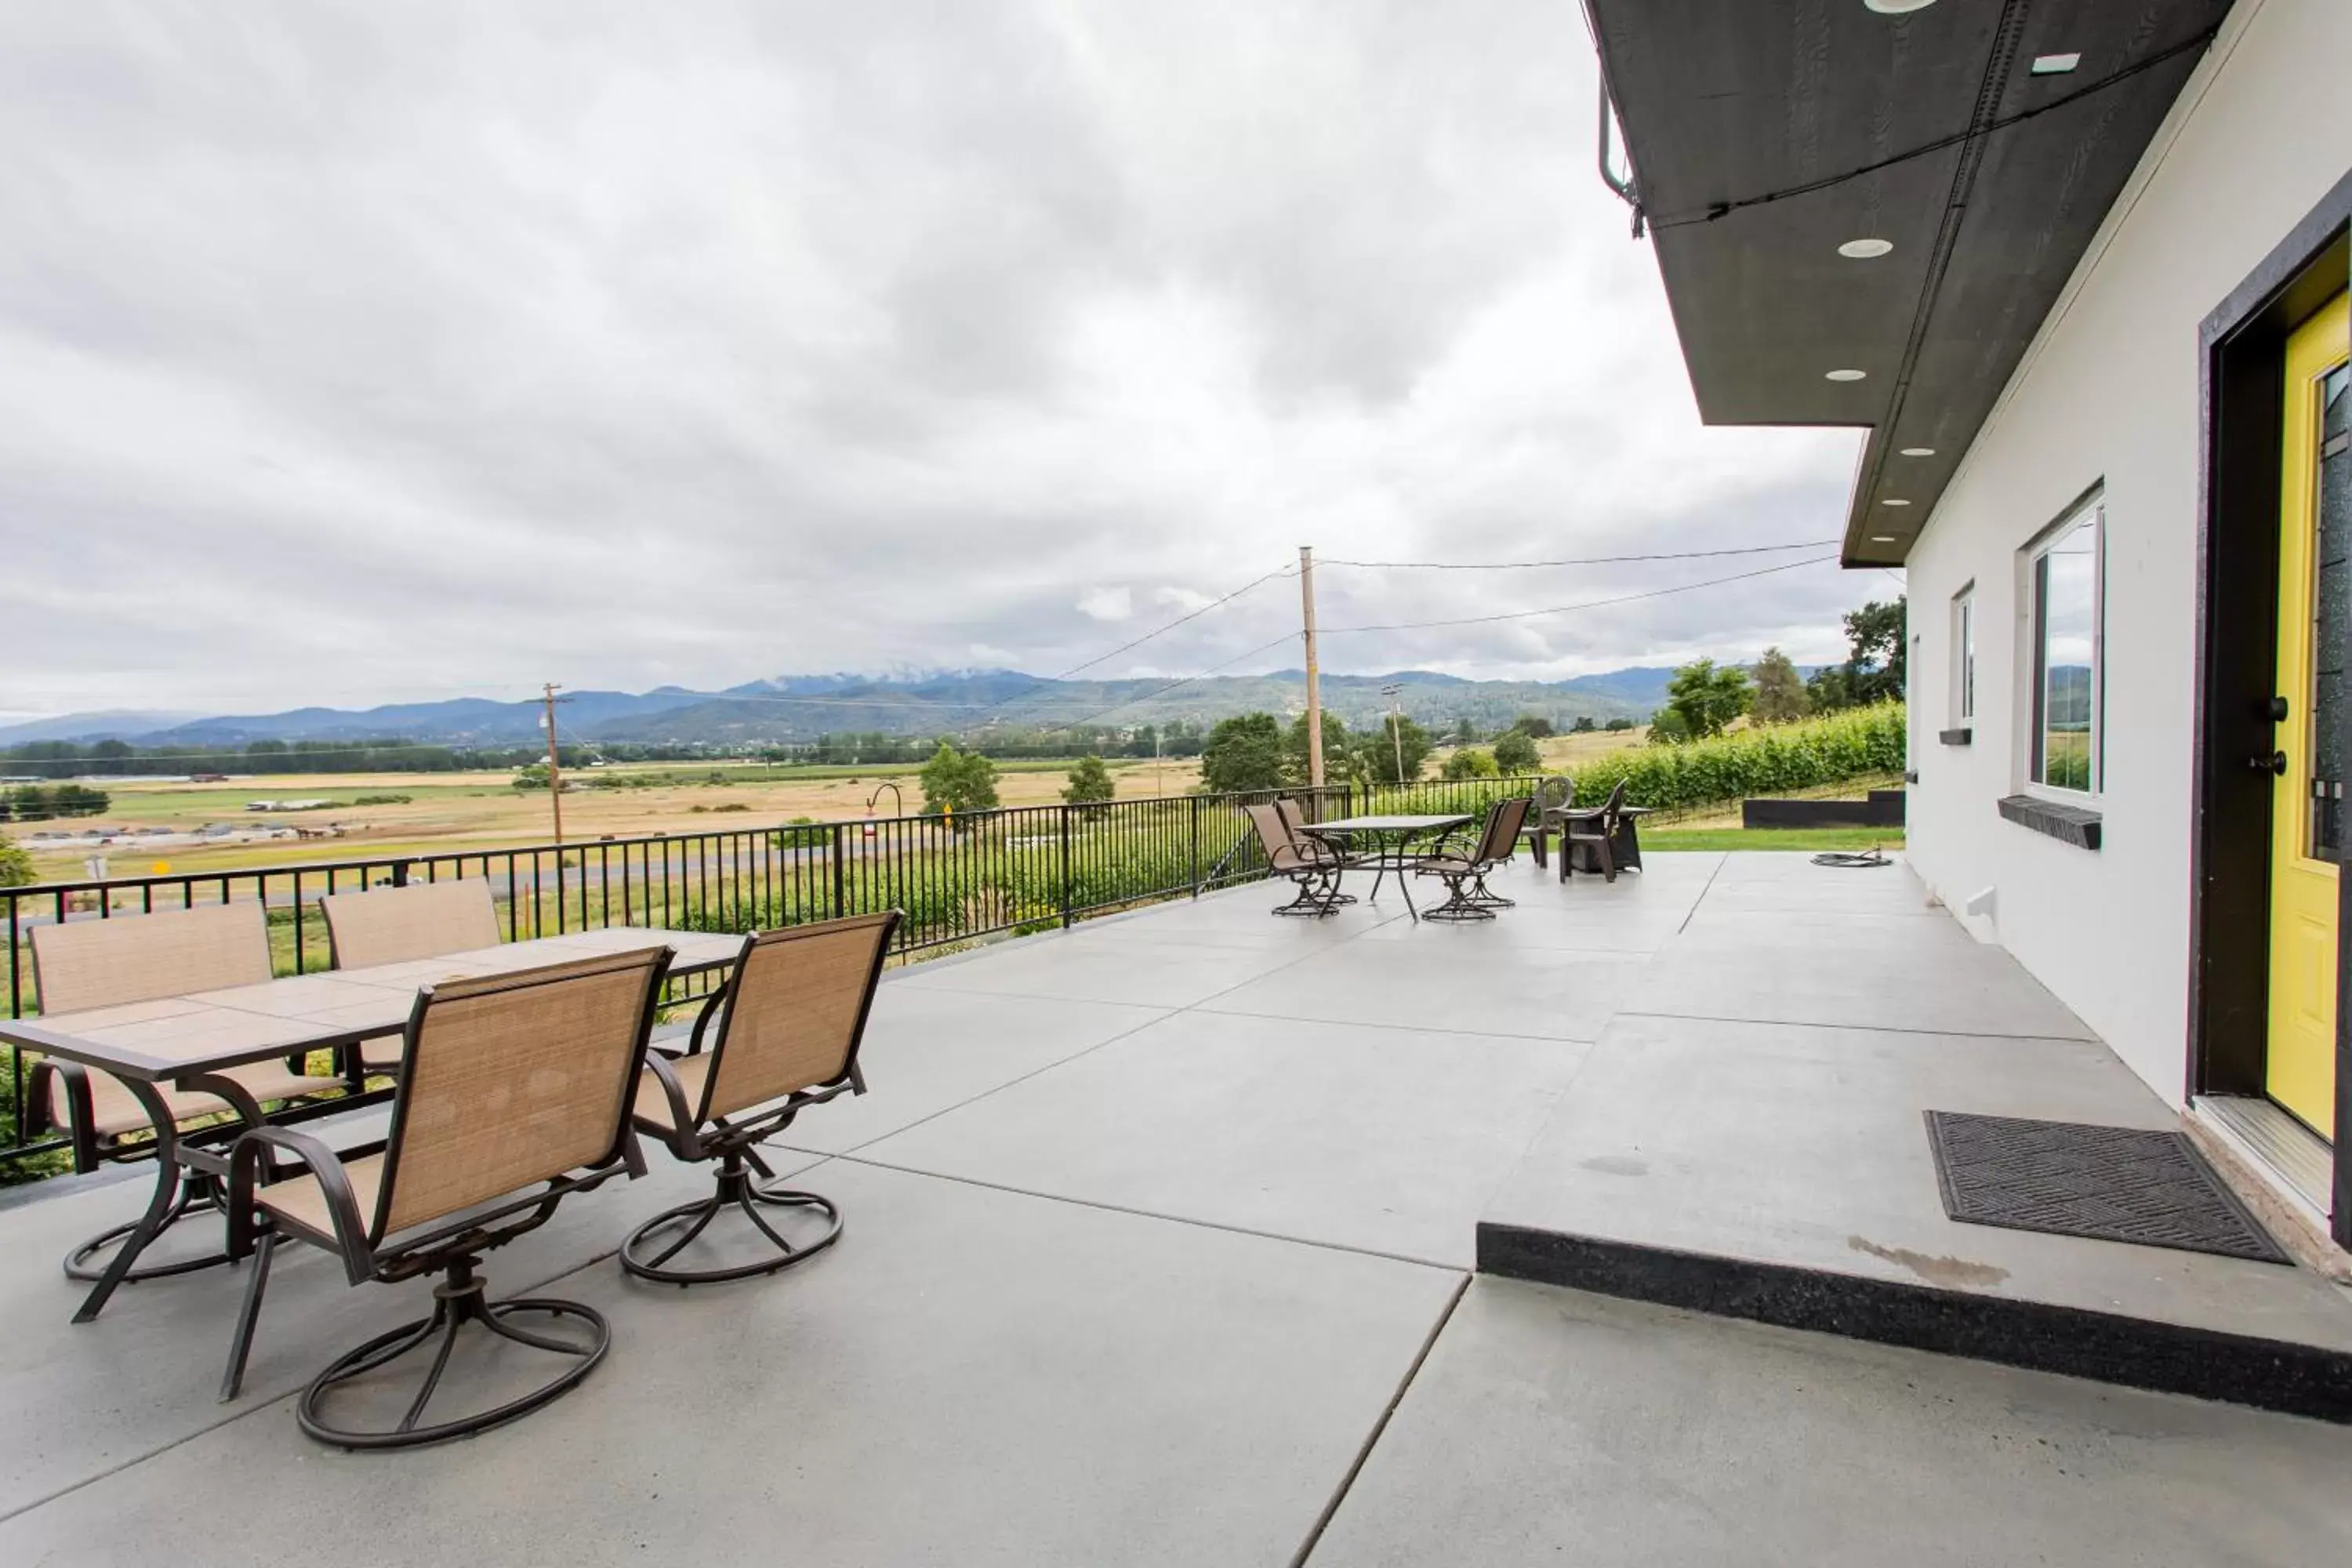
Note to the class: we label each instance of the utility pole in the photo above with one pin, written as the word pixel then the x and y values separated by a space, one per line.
pixel 1314 675
pixel 1395 694
pixel 554 773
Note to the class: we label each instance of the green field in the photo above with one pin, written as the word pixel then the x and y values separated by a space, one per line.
pixel 1809 839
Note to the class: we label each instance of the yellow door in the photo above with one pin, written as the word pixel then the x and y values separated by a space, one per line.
pixel 2306 819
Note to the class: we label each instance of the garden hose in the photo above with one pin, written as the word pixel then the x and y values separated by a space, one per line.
pixel 1851 860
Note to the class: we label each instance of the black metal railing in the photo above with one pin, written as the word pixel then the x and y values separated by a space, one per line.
pixel 958 878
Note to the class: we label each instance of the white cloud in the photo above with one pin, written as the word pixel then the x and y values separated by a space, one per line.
pixel 351 352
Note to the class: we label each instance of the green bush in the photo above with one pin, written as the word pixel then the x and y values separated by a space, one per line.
pixel 1825 751
pixel 16 865
pixel 385 799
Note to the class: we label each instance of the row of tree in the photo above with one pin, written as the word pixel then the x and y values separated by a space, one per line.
pixel 1704 697
pixel 35 803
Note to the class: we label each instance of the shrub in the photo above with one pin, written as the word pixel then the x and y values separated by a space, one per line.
pixel 1089 782
pixel 16 865
pixel 1516 753
pixel 1811 751
pixel 380 800
pixel 1469 763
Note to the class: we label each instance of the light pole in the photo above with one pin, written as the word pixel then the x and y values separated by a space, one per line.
pixel 1395 693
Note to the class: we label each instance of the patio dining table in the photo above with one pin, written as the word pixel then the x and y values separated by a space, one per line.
pixel 188 1041
pixel 1391 839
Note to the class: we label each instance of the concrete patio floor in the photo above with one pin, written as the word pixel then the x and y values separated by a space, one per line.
pixel 1159 1245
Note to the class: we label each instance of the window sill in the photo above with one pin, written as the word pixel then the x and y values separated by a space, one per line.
pixel 1959 737
pixel 2075 824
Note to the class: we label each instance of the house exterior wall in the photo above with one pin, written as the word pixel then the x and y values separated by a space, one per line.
pixel 2108 396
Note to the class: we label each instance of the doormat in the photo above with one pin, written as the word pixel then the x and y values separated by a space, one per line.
pixel 2110 1184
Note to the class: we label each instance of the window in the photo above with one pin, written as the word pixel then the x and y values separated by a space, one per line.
pixel 2064 574
pixel 1964 656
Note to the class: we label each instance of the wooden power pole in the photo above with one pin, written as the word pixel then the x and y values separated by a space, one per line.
pixel 554 770
pixel 1314 676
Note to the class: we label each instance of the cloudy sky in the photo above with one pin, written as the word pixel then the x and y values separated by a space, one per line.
pixel 362 352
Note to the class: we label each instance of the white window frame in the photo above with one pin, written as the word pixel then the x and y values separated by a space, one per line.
pixel 2093 508
pixel 1963 704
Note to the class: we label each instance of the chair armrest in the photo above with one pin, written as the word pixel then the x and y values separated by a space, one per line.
pixel 246 1158
pixel 682 1139
pixel 702 1017
pixel 35 1113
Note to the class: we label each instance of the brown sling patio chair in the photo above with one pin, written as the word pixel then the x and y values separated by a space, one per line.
pixel 1465 870
pixel 1293 821
pixel 395 925
pixel 789 1023
pixel 84 964
pixel 1596 826
pixel 1312 864
pixel 516 1094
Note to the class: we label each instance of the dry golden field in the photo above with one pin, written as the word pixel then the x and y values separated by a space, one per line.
pixel 446 812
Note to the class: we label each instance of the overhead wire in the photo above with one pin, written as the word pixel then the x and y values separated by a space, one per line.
pixel 1580 560
pixel 1714 211
pixel 1564 609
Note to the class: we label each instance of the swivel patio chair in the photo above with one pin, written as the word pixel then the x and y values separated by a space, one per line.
pixel 397 925
pixel 1293 822
pixel 1596 826
pixel 1313 866
pixel 1465 871
pixel 789 1023
pixel 85 964
pixel 516 1094
pixel 1553 797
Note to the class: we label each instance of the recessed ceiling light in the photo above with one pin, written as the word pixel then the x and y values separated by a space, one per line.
pixel 1892 502
pixel 1881 539
pixel 2055 65
pixel 1918 451
pixel 1895 7
pixel 1864 249
pixel 1847 375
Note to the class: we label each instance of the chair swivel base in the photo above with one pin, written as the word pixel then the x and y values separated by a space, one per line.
pixel 88 1263
pixel 736 1191
pixel 458 1302
pixel 1311 903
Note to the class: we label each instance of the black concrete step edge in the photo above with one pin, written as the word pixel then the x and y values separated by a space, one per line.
pixel 2206 1363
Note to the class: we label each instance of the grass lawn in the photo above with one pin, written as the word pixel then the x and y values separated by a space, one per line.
pixel 1812 838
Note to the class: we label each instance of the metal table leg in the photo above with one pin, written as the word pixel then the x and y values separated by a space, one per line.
pixel 160 1208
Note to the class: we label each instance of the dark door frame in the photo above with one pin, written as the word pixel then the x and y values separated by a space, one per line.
pixel 2242 364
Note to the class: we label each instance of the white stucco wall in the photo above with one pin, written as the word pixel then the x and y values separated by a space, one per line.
pixel 2108 394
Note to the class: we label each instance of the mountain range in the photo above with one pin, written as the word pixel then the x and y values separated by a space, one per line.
pixel 798 708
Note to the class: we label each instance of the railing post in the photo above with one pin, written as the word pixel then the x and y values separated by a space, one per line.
pixel 839 848
pixel 1194 851
pixel 1066 868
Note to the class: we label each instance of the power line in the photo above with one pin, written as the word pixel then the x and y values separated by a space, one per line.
pixel 1586 605
pixel 1584 560
pixel 1715 210
pixel 1138 642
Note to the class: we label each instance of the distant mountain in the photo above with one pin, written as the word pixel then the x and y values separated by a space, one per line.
pixel 109 724
pixel 790 708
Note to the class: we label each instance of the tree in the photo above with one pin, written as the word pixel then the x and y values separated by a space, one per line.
pixel 1465 733
pixel 1873 670
pixel 1468 762
pixel 1780 694
pixel 1535 726
pixel 1583 725
pixel 16 863
pixel 1339 767
pixel 1245 753
pixel 1618 726
pixel 959 782
pixel 1089 782
pixel 1516 753
pixel 1707 697
pixel 1377 751
pixel 1669 728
